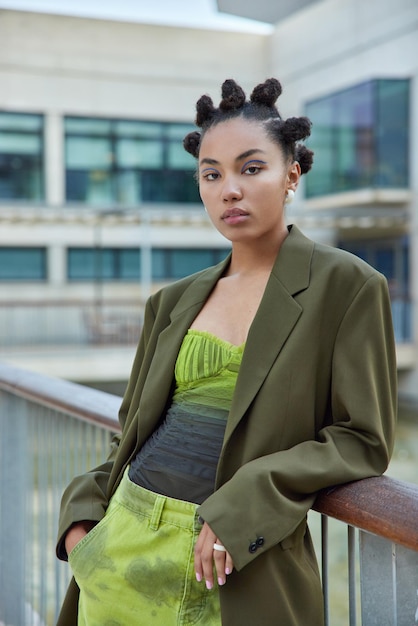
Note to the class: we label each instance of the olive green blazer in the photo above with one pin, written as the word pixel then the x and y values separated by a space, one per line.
pixel 314 406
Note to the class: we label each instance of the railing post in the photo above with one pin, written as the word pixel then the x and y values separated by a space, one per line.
pixel 325 567
pixel 13 492
pixel 351 541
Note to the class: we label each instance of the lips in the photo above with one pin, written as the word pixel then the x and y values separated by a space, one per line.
pixel 233 213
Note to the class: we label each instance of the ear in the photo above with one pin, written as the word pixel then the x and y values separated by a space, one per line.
pixel 293 176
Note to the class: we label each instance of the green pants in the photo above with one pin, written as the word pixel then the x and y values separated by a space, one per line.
pixel 136 566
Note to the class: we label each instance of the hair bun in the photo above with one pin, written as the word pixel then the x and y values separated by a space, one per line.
pixel 191 143
pixel 205 110
pixel 266 93
pixel 304 157
pixel 233 96
pixel 295 129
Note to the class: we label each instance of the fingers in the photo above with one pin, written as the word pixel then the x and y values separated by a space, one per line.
pixel 210 560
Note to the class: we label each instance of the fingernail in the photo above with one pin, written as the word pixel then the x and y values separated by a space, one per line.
pixel 221 581
pixel 227 571
pixel 208 585
pixel 198 577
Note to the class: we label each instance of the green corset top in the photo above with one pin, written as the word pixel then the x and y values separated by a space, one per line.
pixel 180 458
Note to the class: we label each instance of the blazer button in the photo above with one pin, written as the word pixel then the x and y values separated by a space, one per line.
pixel 254 545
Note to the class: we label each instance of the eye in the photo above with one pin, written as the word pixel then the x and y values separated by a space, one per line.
pixel 210 174
pixel 252 168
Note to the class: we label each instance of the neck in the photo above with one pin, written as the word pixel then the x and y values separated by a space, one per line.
pixel 252 258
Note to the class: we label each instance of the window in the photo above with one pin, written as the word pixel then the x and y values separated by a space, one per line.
pixel 360 138
pixel 21 156
pixel 127 162
pixel 171 263
pixel 125 263
pixel 391 258
pixel 22 264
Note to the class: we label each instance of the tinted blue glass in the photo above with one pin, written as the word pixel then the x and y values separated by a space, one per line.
pixel 22 263
pixel 21 157
pixel 127 162
pixel 391 258
pixel 125 263
pixel 360 138
pixel 392 133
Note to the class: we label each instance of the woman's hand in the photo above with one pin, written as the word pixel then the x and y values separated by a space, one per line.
pixel 76 534
pixel 205 556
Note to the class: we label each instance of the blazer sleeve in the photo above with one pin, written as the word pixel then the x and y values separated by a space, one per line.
pixel 270 496
pixel 85 498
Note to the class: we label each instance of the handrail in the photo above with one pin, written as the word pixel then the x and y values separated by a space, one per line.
pixel 85 403
pixel 382 505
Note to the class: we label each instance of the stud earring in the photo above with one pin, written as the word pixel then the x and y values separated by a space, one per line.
pixel 290 194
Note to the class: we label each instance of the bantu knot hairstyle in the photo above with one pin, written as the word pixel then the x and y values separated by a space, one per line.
pixel 261 107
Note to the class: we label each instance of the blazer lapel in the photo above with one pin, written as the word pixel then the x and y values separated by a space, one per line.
pixel 276 318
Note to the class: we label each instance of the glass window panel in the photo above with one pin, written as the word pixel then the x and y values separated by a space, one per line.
pixel 95 187
pixel 160 264
pixel 22 264
pixel 99 188
pixel 178 158
pixel 13 143
pixel 107 263
pixel 169 186
pixel 21 121
pixel 385 262
pixel 21 152
pixel 172 263
pixel 179 131
pixel 139 153
pixel 184 262
pixel 87 126
pixel 392 133
pixel 81 263
pixel 130 264
pixel 88 153
pixel 360 138
pixel 145 161
pixel 128 185
pixel 138 129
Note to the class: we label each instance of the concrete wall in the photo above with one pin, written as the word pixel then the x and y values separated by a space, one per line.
pixel 96 67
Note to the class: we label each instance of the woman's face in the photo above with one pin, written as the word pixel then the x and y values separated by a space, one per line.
pixel 243 179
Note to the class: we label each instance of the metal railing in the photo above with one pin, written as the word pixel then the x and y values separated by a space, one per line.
pixel 51 430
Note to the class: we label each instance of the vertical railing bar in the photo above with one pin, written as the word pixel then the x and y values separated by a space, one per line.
pixel 31 504
pixel 394 584
pixel 43 504
pixel 324 563
pixel 351 538
pixel 55 480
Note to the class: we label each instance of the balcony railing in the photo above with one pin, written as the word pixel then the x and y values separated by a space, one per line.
pixel 51 430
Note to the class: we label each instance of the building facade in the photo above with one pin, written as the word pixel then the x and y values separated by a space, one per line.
pixel 98 202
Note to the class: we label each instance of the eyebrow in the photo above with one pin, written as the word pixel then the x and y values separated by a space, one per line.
pixel 240 157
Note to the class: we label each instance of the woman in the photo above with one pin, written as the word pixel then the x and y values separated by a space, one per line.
pixel 256 383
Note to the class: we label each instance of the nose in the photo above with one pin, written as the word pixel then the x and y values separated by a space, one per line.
pixel 231 189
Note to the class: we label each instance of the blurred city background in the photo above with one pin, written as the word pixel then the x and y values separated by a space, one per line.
pixel 98 202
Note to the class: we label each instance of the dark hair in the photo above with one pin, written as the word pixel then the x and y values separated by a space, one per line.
pixel 261 107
